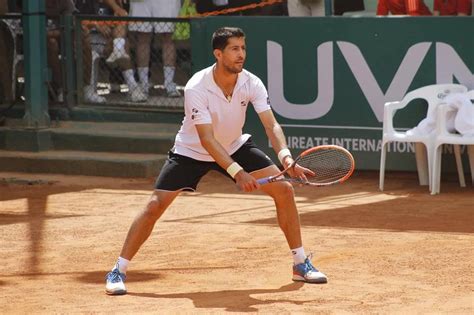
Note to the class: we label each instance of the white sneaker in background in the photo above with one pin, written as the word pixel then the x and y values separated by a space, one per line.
pixel 91 96
pixel 172 91
pixel 138 95
pixel 116 55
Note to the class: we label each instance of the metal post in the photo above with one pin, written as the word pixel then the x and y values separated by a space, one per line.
pixel 36 70
pixel 67 48
pixel 328 7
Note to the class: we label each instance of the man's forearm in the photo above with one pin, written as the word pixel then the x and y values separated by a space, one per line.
pixel 277 138
pixel 217 151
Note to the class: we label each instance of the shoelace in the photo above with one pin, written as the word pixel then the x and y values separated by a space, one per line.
pixel 308 265
pixel 115 276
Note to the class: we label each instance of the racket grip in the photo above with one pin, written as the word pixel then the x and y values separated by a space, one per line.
pixel 263 181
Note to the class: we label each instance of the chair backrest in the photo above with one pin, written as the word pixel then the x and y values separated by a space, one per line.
pixel 433 94
pixel 470 94
pixel 444 109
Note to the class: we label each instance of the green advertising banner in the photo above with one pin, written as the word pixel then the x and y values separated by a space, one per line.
pixel 328 78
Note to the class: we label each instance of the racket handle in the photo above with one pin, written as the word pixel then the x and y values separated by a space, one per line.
pixel 263 181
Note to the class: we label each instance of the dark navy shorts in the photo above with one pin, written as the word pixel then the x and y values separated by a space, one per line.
pixel 182 172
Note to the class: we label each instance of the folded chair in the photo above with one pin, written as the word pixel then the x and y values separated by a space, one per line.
pixel 443 136
pixel 433 94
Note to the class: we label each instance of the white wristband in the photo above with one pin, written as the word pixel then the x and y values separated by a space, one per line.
pixel 233 169
pixel 283 154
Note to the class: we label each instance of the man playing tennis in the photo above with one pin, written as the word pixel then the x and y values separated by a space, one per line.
pixel 211 138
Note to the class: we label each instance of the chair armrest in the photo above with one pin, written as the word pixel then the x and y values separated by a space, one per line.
pixel 389 111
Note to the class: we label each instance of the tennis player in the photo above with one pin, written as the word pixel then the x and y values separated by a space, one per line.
pixel 216 100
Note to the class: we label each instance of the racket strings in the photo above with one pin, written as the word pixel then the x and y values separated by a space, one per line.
pixel 329 165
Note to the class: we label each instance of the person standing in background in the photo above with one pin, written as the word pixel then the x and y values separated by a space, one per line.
pixel 145 31
pixel 402 7
pixel 54 9
pixel 306 8
pixel 342 6
pixel 452 7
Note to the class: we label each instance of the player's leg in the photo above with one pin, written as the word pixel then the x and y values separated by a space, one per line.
pixel 288 220
pixel 144 222
pixel 138 233
pixel 179 173
pixel 254 161
pixel 284 197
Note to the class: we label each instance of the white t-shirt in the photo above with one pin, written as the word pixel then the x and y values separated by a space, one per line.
pixel 205 103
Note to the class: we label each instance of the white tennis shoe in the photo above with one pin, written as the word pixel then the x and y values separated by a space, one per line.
pixel 115 283
pixel 306 272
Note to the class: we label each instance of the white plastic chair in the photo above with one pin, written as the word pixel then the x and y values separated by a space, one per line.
pixel 433 94
pixel 443 136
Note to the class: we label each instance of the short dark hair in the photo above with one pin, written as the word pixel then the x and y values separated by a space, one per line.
pixel 221 36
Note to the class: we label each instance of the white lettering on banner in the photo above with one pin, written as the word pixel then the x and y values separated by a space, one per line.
pixel 448 66
pixel 357 144
pixel 325 99
pixel 367 82
pixel 351 144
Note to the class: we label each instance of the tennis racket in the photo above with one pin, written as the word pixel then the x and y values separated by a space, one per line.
pixel 331 164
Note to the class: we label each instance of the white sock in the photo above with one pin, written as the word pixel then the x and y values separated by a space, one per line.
pixel 168 73
pixel 143 75
pixel 130 79
pixel 119 43
pixel 298 255
pixel 122 264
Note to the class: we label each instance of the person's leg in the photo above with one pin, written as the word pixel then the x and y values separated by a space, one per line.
pixel 288 220
pixel 297 8
pixel 317 8
pixel 86 56
pixel 119 33
pixel 287 214
pixel 179 173
pixel 138 233
pixel 254 161
pixel 92 50
pixel 169 63
pixel 143 56
pixel 55 65
pixel 143 32
pixel 145 221
pixel 167 8
pixel 136 94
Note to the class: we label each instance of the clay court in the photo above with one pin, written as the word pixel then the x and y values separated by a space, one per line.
pixel 220 250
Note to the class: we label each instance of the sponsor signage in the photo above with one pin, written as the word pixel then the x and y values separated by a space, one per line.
pixel 329 78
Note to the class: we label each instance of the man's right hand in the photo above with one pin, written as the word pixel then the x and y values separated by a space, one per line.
pixel 246 182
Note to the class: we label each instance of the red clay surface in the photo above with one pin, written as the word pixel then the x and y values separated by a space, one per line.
pixel 220 250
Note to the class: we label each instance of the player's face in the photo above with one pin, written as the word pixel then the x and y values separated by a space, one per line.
pixel 232 58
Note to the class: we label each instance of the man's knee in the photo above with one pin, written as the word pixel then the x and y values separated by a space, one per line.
pixel 282 190
pixel 154 208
